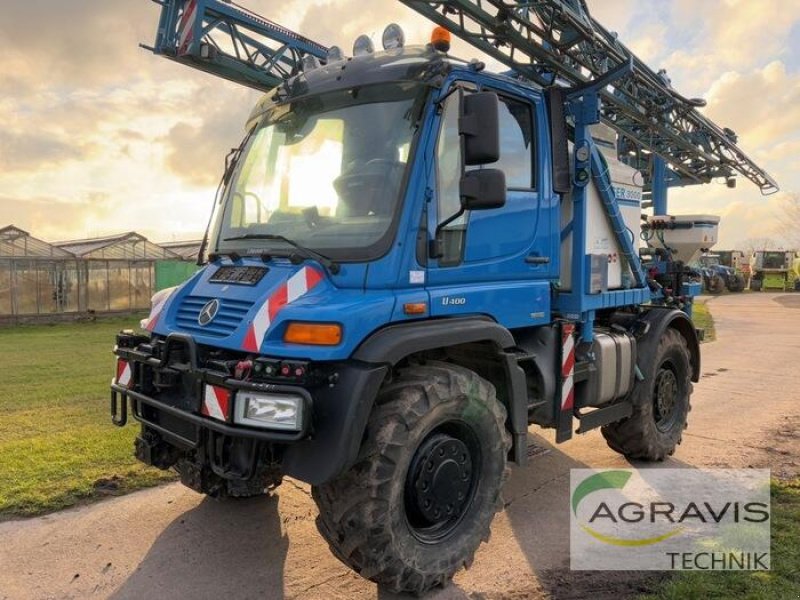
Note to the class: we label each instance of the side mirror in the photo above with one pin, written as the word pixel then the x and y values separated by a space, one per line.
pixel 483 189
pixel 479 124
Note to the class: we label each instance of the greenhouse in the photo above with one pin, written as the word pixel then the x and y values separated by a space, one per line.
pixel 98 275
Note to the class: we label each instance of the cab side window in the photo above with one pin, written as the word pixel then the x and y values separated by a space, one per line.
pixel 516 161
pixel 448 176
pixel 516 144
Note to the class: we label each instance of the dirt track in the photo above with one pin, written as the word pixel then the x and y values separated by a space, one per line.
pixel 171 543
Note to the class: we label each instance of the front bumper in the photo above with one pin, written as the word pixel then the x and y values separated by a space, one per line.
pixel 165 395
pixel 165 385
pixel 122 397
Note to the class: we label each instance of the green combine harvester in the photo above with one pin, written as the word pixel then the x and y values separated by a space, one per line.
pixel 772 269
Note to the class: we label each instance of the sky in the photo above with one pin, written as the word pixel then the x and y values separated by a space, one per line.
pixel 101 136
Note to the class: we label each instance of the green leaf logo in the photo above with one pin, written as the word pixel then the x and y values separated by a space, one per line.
pixel 612 480
pixel 599 481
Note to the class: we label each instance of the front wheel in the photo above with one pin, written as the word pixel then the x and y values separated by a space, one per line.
pixel 660 404
pixel 426 485
pixel 715 284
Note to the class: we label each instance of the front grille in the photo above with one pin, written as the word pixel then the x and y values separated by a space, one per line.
pixel 229 316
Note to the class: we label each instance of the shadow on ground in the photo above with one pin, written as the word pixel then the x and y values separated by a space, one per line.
pixel 220 549
pixel 537 507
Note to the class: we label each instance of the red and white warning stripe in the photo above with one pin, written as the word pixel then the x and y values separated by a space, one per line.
pixel 186 27
pixel 124 373
pixel 216 403
pixel 297 286
pixel 155 313
pixel 567 366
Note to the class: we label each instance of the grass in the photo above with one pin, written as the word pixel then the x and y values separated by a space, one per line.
pixel 703 320
pixel 57 444
pixel 782 581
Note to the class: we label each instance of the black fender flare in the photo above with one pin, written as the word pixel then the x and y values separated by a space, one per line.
pixel 659 319
pixel 395 342
pixel 341 412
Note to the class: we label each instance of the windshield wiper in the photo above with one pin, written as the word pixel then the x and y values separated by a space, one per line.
pixel 326 262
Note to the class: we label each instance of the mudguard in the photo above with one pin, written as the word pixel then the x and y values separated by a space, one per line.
pixel 393 343
pixel 341 412
pixel 659 319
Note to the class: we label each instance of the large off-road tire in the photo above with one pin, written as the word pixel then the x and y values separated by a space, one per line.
pixel 422 494
pixel 737 285
pixel 715 284
pixel 755 284
pixel 660 403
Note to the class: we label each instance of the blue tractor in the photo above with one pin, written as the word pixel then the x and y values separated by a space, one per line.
pixel 718 277
pixel 412 260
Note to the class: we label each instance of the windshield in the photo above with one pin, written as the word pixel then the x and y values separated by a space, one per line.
pixel 325 172
pixel 774 260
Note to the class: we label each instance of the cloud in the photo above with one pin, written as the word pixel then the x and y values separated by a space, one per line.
pixel 762 105
pixel 196 150
pixel 80 42
pixel 32 150
pixel 615 15
pixel 45 217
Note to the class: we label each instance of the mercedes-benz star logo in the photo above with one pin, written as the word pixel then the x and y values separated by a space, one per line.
pixel 208 312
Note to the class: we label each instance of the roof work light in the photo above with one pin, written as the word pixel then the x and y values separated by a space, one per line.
pixel 363 46
pixel 335 54
pixel 393 37
pixel 310 62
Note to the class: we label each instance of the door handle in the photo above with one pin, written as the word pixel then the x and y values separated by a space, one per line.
pixel 534 259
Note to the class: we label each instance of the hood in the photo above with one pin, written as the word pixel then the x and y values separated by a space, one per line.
pixel 245 307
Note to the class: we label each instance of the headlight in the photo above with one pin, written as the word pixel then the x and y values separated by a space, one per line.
pixel 272 411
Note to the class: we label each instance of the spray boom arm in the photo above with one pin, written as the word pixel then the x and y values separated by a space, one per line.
pixel 557 42
pixel 229 41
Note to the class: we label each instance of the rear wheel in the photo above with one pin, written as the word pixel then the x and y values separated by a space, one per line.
pixel 660 404
pixel 755 285
pixel 737 284
pixel 420 499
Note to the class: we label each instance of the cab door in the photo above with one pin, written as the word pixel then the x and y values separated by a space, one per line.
pixel 498 261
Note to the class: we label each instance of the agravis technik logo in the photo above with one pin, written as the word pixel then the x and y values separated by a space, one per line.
pixel 670 519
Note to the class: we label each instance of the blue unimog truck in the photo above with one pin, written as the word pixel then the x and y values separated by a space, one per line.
pixel 412 260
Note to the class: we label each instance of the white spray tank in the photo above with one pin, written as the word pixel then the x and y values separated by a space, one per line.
pixel 610 270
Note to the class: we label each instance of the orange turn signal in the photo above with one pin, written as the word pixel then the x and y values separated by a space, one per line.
pixel 440 39
pixel 315 334
pixel 415 308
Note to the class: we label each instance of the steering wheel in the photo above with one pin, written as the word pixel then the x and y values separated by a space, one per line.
pixel 245 195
